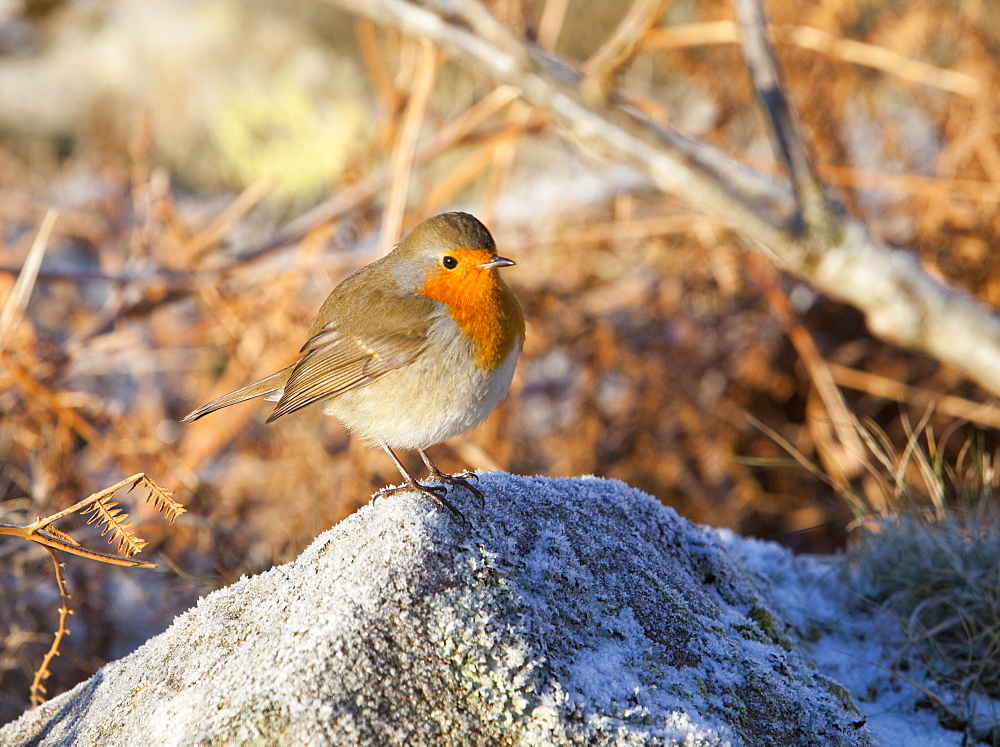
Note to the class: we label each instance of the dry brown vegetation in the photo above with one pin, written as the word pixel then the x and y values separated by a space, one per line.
pixel 655 340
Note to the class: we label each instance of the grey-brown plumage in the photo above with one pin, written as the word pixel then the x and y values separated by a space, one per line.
pixel 411 349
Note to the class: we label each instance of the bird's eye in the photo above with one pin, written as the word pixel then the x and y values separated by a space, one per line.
pixel 449 262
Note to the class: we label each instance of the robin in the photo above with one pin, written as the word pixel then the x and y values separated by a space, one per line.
pixel 410 350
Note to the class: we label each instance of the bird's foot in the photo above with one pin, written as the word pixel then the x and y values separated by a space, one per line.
pixel 461 478
pixel 438 493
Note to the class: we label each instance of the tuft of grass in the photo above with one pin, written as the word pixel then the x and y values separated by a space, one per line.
pixel 927 557
pixel 943 586
pixel 930 560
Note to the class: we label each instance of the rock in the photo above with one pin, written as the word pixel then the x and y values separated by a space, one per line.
pixel 570 612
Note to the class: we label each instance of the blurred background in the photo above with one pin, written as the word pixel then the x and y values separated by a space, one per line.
pixel 177 138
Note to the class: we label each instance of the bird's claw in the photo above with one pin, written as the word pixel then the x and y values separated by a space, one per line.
pixel 437 492
pixel 462 479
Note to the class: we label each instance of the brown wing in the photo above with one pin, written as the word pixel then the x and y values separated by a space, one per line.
pixel 367 326
pixel 336 362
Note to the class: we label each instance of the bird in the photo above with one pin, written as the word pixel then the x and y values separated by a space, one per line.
pixel 410 350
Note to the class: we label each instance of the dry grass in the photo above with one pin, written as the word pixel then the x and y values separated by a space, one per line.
pixel 927 559
pixel 652 333
pixel 930 561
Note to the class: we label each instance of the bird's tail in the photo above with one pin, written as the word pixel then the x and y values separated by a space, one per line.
pixel 272 383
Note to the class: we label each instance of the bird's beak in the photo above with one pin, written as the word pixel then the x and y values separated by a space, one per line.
pixel 496 262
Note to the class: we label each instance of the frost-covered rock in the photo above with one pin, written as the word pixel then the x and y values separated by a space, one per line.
pixel 572 611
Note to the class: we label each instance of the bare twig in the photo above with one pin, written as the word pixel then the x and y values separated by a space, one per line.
pixel 39 393
pixel 841 455
pixel 104 512
pixel 478 161
pixel 880 58
pixel 373 60
pixel 215 231
pixel 45 538
pixel 38 691
pixel 806 37
pixel 816 211
pixel 18 300
pixel 365 189
pixel 112 520
pixel 623 43
pixel 550 24
pixel 901 302
pixel 880 386
pixel 401 162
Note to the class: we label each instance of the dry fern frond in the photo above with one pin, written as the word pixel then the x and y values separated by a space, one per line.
pixel 109 518
pixel 160 498
pixel 107 515
pixel 60 534
pixel 103 513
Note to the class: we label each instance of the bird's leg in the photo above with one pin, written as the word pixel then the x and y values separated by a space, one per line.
pixel 462 478
pixel 412 484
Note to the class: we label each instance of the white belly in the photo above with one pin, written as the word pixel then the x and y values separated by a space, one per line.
pixel 428 401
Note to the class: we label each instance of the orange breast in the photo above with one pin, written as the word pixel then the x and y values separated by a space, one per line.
pixel 481 304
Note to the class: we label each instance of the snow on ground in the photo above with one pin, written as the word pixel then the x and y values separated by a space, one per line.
pixel 847 641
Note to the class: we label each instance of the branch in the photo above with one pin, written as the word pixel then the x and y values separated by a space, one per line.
pixel 38 691
pixel 815 210
pixel 46 539
pixel 13 309
pixel 836 255
pixel 107 517
pixel 623 43
pixel 112 520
